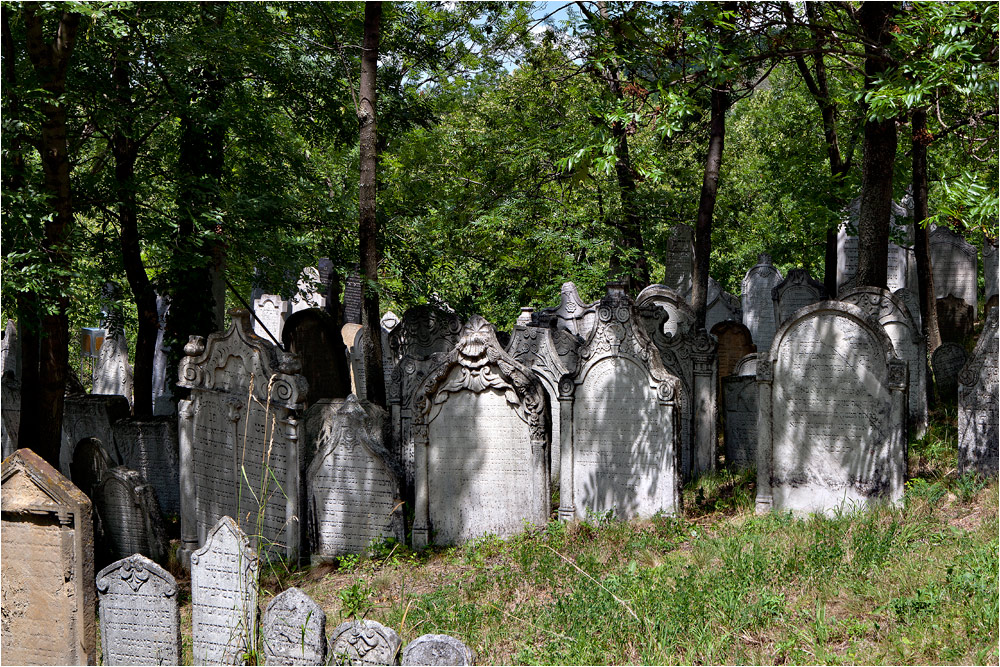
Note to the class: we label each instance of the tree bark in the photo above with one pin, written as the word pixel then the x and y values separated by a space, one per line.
pixel 706 206
pixel 921 246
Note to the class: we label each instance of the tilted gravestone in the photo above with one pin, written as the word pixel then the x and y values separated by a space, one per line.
pixel 947 361
pixel 735 342
pixel 680 315
pixel 353 485
pixel 240 438
pixel 364 643
pixel 87 417
pixel 796 291
pixel 990 268
pixel 150 447
pixel 739 409
pixel 294 630
pixel 720 306
pixel 139 614
pixel 758 307
pixel 481 433
pixel 130 516
pixel 112 372
pixel 48 569
pixel 978 403
pixel 955 319
pixel 271 311
pixel 955 264
pixel 901 265
pixel 572 313
pixel 680 260
pixel 10 411
pixel 437 650
pixel 624 455
pixel 831 414
pixel 312 335
pixel 223 596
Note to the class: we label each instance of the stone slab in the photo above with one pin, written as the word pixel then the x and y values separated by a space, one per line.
pixel 437 650
pixel 955 264
pixel 956 318
pixel 364 643
pixel 150 447
pixel 758 306
pixel 978 405
pixel 679 260
pixel 294 630
pixel 739 409
pixel 947 362
pixel 130 516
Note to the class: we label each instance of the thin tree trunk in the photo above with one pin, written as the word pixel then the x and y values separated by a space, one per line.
pixel 921 246
pixel 706 206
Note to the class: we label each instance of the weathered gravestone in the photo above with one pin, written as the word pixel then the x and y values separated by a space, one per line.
pixel 991 303
pixel 48 566
pixel 223 596
pixel 10 351
pixel 364 643
pixel 312 335
pixel 947 362
pixel 623 454
pixel 739 409
pixel 680 315
pixel 524 319
pixel 978 403
pixel 90 463
pixel 355 362
pixel 271 312
pixel 901 265
pixel 831 414
pixel 746 366
pixel 240 438
pixel 572 313
pixel 356 354
pixel 163 403
pixel 720 306
pixel 352 299
pixel 680 260
pixel 294 630
pixel 907 341
pixel 911 300
pixel 990 268
pixel 758 307
pixel 796 291
pixel 353 486
pixel 735 342
pixel 955 266
pixel 955 319
pixel 130 516
pixel 140 617
pixel 149 446
pixel 112 372
pixel 389 322
pixel 481 433
pixel 89 417
pixel 10 412
pixel 310 292
pixel 437 650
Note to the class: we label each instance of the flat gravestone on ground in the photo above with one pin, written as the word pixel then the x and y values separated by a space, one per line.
pixel 139 613
pixel 271 311
pixel 978 403
pixel 721 306
pixel 149 446
pixel 739 409
pixel 955 319
pixel 735 342
pixel 130 516
pixel 990 268
pixel 947 362
pixel 831 414
pixel 955 264
pixel 625 454
pixel 294 630
pixel 437 650
pixel 354 490
pixel 112 372
pixel 758 306
pixel 313 336
pixel 481 433
pixel 10 412
pixel 572 313
pixel 364 643
pixel 223 596
pixel 48 566
pixel 680 260
pixel 796 291
pixel 87 417
pixel 680 315
pixel 901 265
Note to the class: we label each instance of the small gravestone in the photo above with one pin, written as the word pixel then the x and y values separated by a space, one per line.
pixel 758 307
pixel 680 315
pixel 739 408
pixel 48 566
pixel 735 342
pixel 313 336
pixel 796 291
pixel 364 643
pixel 271 312
pixel 947 362
pixel 10 411
pixel 149 446
pixel 437 650
pixel 294 630
pixel 954 262
pixel 990 268
pixel 130 516
pixel 223 596
pixel 720 306
pixel 112 372
pixel 955 319
pixel 310 292
pixel 978 403
pixel 139 613
pixel 680 260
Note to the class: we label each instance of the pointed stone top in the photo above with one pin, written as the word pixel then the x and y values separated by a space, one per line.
pixel 31 483
pixel 135 571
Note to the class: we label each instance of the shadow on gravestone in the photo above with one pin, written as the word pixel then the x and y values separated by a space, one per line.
pixel 293 630
pixel 437 650
pixel 947 362
pixel 364 643
pixel 313 335
pixel 150 447
pixel 955 319
pixel 758 306
pixel 130 516
pixel 978 406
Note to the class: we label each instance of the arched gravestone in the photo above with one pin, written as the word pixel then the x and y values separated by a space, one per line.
pixel 140 617
pixel 150 447
pixel 353 486
pixel 955 318
pixel 735 342
pixel 437 650
pixel 990 267
pixel 907 341
pixel 481 432
pixel 978 403
pixel 831 414
pixel 758 307
pixel 901 265
pixel 955 266
pixel 48 566
pixel 364 643
pixel 624 455
pixel 796 291
pixel 572 313
pixel 746 366
pixel 680 260
pixel 313 336
pixel 90 416
pixel 240 436
pixel 419 343
pixel 271 311
pixel 947 361
pixel 294 630
pixel 720 306
pixel 130 516
pixel 552 353
pixel 680 315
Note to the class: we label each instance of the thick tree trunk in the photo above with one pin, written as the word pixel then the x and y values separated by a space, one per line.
pixel 925 276
pixel 706 206
pixel 368 230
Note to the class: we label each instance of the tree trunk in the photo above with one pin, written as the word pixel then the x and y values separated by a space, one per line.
pixel 368 230
pixel 925 276
pixel 706 206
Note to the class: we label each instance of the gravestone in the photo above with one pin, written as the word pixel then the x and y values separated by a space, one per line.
pixel 796 291
pixel 901 264
pixel 746 366
pixel 831 414
pixel 389 322
pixel 481 435
pixel 349 333
pixel 352 299
pixel 990 268
pixel 758 307
pixel 10 413
pixel 312 335
pixel 130 516
pixel 911 300
pixel 907 341
pixel 310 292
pixel 721 306
pixel 680 260
pixel 271 311
pixel 680 315
pixel 739 409
pixel 437 650
pixel 140 617
pixel 294 630
pixel 978 403
pixel 991 303
pixel 572 313
pixel 239 436
pixel 10 351
pixel 356 354
pixel 955 265
pixel 735 342
pixel 947 362
pixel 524 318
pixel 223 596
pixel 48 566
pixel 955 319
pixel 150 447
pixel 364 643
pixel 112 372
pixel 90 417
pixel 625 453
pixel 353 486
pixel 163 404
pixel 90 464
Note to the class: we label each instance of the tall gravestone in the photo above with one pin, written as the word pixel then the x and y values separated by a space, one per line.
pixel 947 361
pixel 294 630
pixel 10 413
pixel 150 447
pixel 353 485
pixel 90 417
pixel 831 414
pixel 312 335
pixel 978 403
pixel 739 409
pixel 389 322
pixel 572 313
pixel 901 266
pixel 364 643
pixel 990 268
pixel 10 351
pixel 163 403
pixel 113 373
pixel 48 566
pixel 955 318
pixel 271 312
pixel 239 436
pixel 481 434
pixel 139 614
pixel 758 306
pixel 735 342
pixel 720 306
pixel 621 450
pixel 680 315
pixel 437 650
pixel 130 516
pixel 955 264
pixel 352 298
pixel 796 291
pixel 680 260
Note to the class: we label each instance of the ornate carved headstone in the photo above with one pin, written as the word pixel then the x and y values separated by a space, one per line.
pixel 720 306
pixel 48 566
pixel 437 650
pixel 680 260
pixel 901 267
pixel 130 516
pixel 955 266
pixel 223 596
pixel 947 362
pixel 990 268
pixel 746 366
pixel 364 643
pixel 978 403
pixel 140 617
pixel 796 291
pixel 353 486
pixel 271 311
pixel 310 291
pixel 481 433
pixel 150 447
pixel 911 300
pixel 294 630
pixel 680 315
pixel 831 414
pixel 10 412
pixel 571 314
pixel 758 307
pixel 735 342
pixel 88 417
pixel 955 319
pixel 739 408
